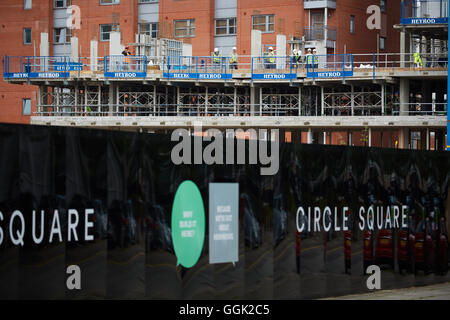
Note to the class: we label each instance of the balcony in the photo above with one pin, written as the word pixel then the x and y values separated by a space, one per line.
pixel 424 12
pixel 320 33
pixel 319 4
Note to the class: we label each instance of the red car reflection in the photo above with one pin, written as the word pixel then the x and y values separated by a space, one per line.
pixel 368 250
pixel 384 252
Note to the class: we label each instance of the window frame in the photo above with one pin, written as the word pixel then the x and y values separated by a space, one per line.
pixel 382 41
pixel 148 1
pixel 188 28
pixel 25 7
pixel 24 36
pixel 113 2
pixel 267 23
pixel 67 35
pixel 114 28
pixel 151 30
pixel 227 27
pixel 383 7
pixel 23 107
pixel 352 24
pixel 66 4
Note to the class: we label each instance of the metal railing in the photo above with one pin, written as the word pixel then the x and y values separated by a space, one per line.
pixel 424 11
pixel 223 68
pixel 238 110
pixel 319 33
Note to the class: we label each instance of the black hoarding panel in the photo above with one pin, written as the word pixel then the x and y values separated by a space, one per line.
pixel 106 199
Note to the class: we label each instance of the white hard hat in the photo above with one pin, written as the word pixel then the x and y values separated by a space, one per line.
pixel 300 52
pixel 315 50
pixel 270 48
pixel 216 49
pixel 309 49
pixel 294 51
pixel 234 48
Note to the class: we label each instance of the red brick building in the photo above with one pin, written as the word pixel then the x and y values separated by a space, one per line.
pixel 205 24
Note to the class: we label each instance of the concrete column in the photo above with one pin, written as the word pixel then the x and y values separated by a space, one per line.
pixel 94 55
pixel 260 101
pixel 234 100
pixel 44 49
pixel 404 96
pixel 76 98
pixel 74 48
pixel 382 98
pixel 154 100
pixel 322 101
pixel 256 48
pixel 178 101
pixel 281 50
pixel 370 137
pixel 427 139
pixel 252 100
pixel 99 105
pixel 310 136
pixel 299 101
pixel 325 24
pixel 39 100
pixel 118 99
pixel 85 99
pixel 111 98
pixel 352 98
pixel 115 48
pixel 404 48
pixel 349 138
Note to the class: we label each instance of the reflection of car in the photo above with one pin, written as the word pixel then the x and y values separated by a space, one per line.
pixel 384 252
pixel 443 248
pixel 368 250
pixel 348 249
pixel 405 247
pixel 130 222
pixel 100 220
pixel 424 248
pixel 161 237
pixel 279 220
pixel 252 230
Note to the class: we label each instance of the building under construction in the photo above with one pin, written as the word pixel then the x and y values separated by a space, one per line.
pixel 378 99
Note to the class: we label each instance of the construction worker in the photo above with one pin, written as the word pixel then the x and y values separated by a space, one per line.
pixel 217 58
pixel 418 60
pixel 271 59
pixel 315 59
pixel 127 60
pixel 233 59
pixel 309 59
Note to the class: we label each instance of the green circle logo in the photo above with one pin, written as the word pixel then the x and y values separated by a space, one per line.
pixel 188 224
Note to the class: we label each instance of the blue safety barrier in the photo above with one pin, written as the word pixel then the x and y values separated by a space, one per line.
pixel 37 67
pixel 329 66
pixel 273 68
pixel 126 67
pixel 424 12
pixel 197 68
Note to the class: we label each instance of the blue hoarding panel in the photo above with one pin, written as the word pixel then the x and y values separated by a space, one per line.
pixel 126 75
pixel 274 76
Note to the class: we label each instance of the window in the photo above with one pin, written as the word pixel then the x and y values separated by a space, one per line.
pixel 148 1
pixel 109 1
pixel 264 23
pixel 382 43
pixel 225 27
pixel 27 36
pixel 61 35
pixel 383 5
pixel 27 4
pixel 105 30
pixel 352 24
pixel 62 3
pixel 184 28
pixel 26 107
pixel 150 29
